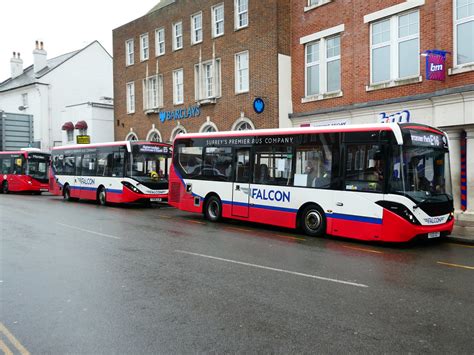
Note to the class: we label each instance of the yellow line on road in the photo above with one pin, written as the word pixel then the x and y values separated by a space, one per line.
pixel 4 348
pixel 13 340
pixel 362 249
pixel 239 229
pixel 293 238
pixel 163 216
pixel 456 265
pixel 198 222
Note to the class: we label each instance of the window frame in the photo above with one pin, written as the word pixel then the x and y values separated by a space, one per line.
pixel 215 23
pixel 238 71
pixel 130 92
pixel 158 42
pixel 176 36
pixel 393 43
pixel 456 23
pixel 158 96
pixel 201 81
pixel 144 47
pixel 237 15
pixel 195 29
pixel 129 52
pixel 176 86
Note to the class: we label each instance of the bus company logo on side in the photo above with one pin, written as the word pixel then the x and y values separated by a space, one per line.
pixel 434 220
pixel 86 181
pixel 271 195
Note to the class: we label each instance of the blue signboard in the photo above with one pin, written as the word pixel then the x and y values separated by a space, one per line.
pixel 258 105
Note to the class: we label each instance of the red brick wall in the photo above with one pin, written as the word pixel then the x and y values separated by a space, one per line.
pixel 436 32
pixel 260 38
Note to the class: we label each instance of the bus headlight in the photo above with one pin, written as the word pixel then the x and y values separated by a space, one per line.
pixel 399 210
pixel 131 187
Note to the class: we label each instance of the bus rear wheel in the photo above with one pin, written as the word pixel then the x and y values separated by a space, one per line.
pixel 67 193
pixel 5 187
pixel 102 196
pixel 213 209
pixel 313 221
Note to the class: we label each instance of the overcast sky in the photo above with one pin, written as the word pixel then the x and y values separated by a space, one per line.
pixel 63 25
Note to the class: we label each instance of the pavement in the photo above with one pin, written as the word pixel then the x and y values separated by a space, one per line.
pixel 468 239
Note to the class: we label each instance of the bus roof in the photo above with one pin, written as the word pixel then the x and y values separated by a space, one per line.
pixel 394 127
pixel 128 144
pixel 25 151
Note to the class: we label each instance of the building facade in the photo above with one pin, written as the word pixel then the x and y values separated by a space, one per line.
pixel 371 61
pixel 49 87
pixel 200 65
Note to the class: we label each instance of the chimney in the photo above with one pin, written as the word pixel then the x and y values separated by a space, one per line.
pixel 16 64
pixel 39 57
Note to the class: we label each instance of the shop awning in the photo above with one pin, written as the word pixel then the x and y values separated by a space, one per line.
pixel 81 125
pixel 68 126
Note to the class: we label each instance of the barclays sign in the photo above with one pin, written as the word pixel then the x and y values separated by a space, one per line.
pixel 180 114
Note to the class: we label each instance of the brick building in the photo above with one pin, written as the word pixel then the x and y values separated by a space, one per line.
pixel 364 61
pixel 198 65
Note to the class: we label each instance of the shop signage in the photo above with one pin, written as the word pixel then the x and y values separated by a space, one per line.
pixel 83 139
pixel 341 122
pixel 258 105
pixel 399 117
pixel 435 65
pixel 192 111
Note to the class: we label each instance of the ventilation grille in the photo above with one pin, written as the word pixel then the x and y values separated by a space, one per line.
pixel 175 192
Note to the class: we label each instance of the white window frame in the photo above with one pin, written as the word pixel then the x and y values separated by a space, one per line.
pixel 201 80
pixel 238 71
pixel 237 25
pixel 178 88
pixel 130 92
pixel 129 52
pixel 144 47
pixel 177 37
pixel 456 23
pixel 70 135
pixel 322 61
pixel 394 47
pixel 159 32
pixel 215 22
pixel 196 31
pixel 153 92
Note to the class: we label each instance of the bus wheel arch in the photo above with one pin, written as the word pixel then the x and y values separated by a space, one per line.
pixel 67 192
pixel 212 207
pixel 312 219
pixel 101 195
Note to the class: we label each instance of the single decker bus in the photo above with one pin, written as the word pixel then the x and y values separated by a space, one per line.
pixel 115 172
pixel 25 170
pixel 376 182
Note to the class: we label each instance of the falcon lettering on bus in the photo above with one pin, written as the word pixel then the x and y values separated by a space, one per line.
pixel 116 172
pixel 378 182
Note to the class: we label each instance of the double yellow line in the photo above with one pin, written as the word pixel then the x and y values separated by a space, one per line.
pixel 3 347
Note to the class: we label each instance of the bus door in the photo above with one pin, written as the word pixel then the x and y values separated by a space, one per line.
pixel 18 166
pixel 241 186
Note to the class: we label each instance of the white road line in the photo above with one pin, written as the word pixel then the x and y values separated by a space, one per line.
pixel 273 269
pixel 88 231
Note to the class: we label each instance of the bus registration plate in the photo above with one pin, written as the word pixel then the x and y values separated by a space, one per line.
pixel 434 235
pixel 159 199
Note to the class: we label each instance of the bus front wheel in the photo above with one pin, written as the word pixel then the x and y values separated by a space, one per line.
pixel 67 193
pixel 102 196
pixel 213 209
pixel 313 221
pixel 5 187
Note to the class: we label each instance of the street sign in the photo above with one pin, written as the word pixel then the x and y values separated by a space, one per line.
pixel 83 139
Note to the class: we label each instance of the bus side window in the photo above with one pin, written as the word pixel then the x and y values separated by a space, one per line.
pixel 6 165
pixel 118 164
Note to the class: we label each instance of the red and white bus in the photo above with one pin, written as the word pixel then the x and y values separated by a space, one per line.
pixel 116 172
pixel 378 182
pixel 25 170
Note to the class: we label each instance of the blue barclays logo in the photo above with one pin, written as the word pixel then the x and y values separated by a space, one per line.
pixel 180 114
pixel 271 195
pixel 86 181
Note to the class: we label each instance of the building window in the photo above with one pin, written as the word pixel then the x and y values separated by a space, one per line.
pixel 207 79
pixel 242 72
pixel 178 87
pixel 130 97
pixel 131 137
pixel 208 127
pixel 218 20
pixel 464 32
pixel 153 92
pixel 129 52
pixel 154 136
pixel 144 47
pixel 24 100
pixel 160 41
pixel 178 130
pixel 323 66
pixel 241 10
pixel 177 36
pixel 196 28
pixel 70 135
pixel 395 48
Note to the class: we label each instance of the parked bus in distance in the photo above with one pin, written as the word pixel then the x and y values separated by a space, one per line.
pixel 116 172
pixel 25 170
pixel 379 182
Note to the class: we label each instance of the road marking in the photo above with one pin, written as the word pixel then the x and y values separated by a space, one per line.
pixel 293 238
pixel 240 229
pixel 89 231
pixel 4 348
pixel 163 216
pixel 192 221
pixel 13 340
pixel 272 269
pixel 456 265
pixel 462 245
pixel 362 249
